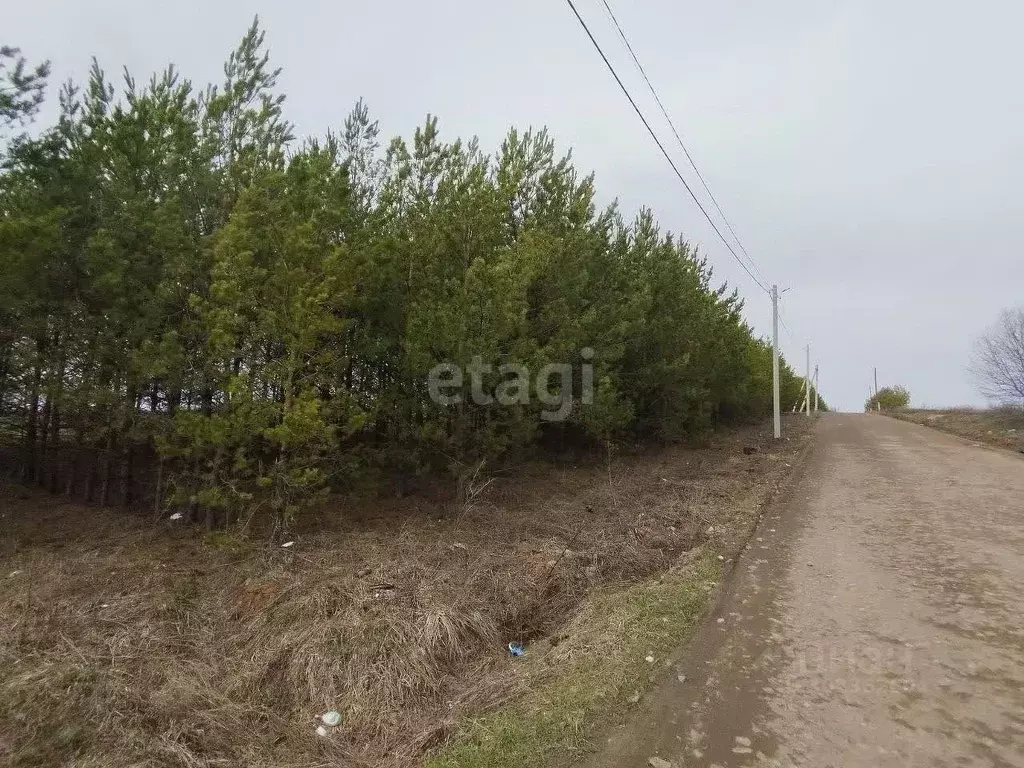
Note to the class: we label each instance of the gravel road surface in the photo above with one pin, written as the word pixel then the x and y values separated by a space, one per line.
pixel 877 619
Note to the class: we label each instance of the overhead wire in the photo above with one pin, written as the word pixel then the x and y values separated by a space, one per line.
pixel 657 141
pixel 782 319
pixel 675 132
pixel 686 152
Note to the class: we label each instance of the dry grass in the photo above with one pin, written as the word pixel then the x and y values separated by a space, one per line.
pixel 597 668
pixel 125 644
pixel 997 426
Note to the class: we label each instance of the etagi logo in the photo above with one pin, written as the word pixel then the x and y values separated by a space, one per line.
pixel 552 386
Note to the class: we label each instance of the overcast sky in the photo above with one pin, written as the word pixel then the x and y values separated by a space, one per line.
pixel 869 154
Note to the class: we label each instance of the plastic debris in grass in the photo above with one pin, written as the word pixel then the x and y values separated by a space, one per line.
pixel 176 516
pixel 331 718
pixel 516 649
pixel 287 544
pixel 327 720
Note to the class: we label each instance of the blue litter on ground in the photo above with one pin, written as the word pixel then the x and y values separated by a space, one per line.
pixel 516 649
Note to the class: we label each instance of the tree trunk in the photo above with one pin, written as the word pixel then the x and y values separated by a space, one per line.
pixel 127 477
pixel 206 401
pixel 5 372
pixel 44 432
pixel 173 401
pixel 72 473
pixel 55 468
pixel 128 468
pixel 108 472
pixel 193 506
pixel 90 481
pixel 159 488
pixel 31 426
pixel 55 419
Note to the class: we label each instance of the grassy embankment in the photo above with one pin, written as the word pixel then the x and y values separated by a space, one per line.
pixel 1003 427
pixel 128 643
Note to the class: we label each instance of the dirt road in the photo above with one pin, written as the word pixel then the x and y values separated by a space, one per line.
pixel 877 619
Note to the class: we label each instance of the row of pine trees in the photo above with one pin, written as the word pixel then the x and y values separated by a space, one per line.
pixel 182 279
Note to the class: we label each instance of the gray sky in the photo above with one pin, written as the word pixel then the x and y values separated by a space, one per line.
pixel 867 153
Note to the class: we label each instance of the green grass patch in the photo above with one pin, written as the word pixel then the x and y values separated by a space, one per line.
pixel 589 677
pixel 226 541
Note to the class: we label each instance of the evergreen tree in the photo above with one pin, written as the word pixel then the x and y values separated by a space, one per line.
pixel 21 87
pixel 186 293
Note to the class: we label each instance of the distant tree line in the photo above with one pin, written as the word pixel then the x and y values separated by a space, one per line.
pixel 180 278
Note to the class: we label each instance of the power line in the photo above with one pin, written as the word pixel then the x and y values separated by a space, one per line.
pixel 657 141
pixel 785 325
pixel 679 139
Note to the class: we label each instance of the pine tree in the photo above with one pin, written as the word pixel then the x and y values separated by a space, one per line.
pixel 22 87
pixel 186 293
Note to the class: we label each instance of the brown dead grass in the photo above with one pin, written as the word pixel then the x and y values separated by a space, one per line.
pixel 127 644
pixel 1003 427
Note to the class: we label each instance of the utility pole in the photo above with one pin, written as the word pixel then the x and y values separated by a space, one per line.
pixel 775 362
pixel 815 389
pixel 807 381
pixel 876 382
